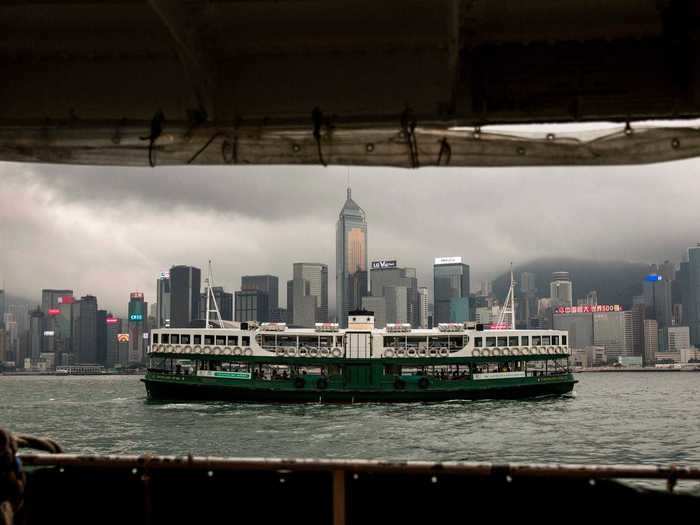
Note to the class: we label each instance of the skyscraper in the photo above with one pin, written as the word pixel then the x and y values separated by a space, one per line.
pixel 350 259
pixel 185 286
pixel 423 301
pixel 268 284
pixel 50 299
pixel 251 305
pixel 3 306
pixel 399 288
pixel 693 294
pixel 614 331
pixel 86 322
pixel 309 294
pixel 101 337
pixel 561 289
pixel 163 300
pixel 224 300
pixel 137 327
pixel 450 290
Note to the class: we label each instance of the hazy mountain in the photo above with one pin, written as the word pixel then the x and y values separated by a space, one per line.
pixel 615 281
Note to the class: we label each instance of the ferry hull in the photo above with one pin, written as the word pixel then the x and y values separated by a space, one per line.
pixel 163 390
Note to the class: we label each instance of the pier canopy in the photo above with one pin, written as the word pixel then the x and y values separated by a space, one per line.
pixel 406 84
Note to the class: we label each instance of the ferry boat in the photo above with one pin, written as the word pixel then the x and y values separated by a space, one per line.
pixel 244 361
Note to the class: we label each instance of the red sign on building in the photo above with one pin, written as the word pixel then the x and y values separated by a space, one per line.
pixel 111 320
pixel 54 311
pixel 66 299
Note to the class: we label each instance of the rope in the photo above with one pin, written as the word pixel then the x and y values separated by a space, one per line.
pixel 445 148
pixel 156 130
pixel 408 126
pixel 317 118
pixel 206 145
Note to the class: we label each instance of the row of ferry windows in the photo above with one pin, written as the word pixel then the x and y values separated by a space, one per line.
pixel 187 339
pixel 537 340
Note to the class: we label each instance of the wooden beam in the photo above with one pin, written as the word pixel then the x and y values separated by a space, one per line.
pixel 198 66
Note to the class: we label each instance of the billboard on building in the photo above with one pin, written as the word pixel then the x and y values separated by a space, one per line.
pixel 111 320
pixel 383 265
pixel 65 299
pixel 54 311
pixel 136 295
pixel 122 338
pixel 448 260
pixel 589 309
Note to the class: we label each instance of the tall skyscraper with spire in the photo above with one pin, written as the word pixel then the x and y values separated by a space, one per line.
pixel 351 259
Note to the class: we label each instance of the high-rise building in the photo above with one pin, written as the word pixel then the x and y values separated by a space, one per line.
pixel 350 259
pixel 137 322
pixel 185 289
pixel 3 306
pixel 290 300
pixel 36 334
pixel 52 298
pixel 85 330
pixel 378 306
pixel 423 301
pixel 21 316
pixel 101 337
pixel 268 284
pixel 561 289
pixel 163 300
pixel 224 300
pixel 651 342
pixel 251 305
pixel 450 290
pixel 614 331
pixel 309 294
pixel 399 287
pixel 694 294
pixel 657 295
pixel 579 325
pixel 113 327
pixel 673 338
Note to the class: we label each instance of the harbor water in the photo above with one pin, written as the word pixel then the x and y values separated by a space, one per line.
pixel 619 417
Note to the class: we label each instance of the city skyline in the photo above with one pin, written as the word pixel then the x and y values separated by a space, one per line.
pixel 103 242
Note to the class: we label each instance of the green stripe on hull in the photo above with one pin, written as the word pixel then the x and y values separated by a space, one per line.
pixel 196 388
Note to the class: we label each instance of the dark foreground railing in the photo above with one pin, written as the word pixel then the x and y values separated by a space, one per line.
pixel 68 488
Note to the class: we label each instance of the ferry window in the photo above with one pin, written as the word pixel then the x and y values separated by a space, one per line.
pixel 287 340
pixel 246 340
pixel 502 341
pixel 545 339
pixel 490 341
pixel 536 340
pixel 185 339
pixel 155 338
pixel 198 339
pixel 232 340
pixel 221 340
pixel 165 338
pixel 208 339
pixel 175 339
pixel 555 339
pixel 563 339
pixel 477 342
pixel 513 341
pixel 525 340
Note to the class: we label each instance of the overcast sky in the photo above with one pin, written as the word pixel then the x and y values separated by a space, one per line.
pixel 109 231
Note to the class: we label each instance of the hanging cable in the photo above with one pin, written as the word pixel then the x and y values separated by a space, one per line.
pixel 156 130
pixel 445 149
pixel 408 127
pixel 317 118
pixel 206 145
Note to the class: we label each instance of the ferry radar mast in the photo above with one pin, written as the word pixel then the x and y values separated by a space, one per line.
pixel 508 305
pixel 211 299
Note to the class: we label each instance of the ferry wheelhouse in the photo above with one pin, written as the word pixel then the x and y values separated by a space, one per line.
pixel 273 362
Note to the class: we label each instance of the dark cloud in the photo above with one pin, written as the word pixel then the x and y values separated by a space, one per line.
pixel 111 230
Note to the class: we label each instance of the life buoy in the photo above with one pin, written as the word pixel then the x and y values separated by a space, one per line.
pixel 506 351
pixel 279 350
pixel 237 350
pixel 299 382
pixel 322 383
pixel 399 384
pixel 336 352
pixel 313 352
pixel 227 350
pixel 560 350
pixel 476 353
pixel 422 352
pixel 207 350
pixel 401 352
pixel 432 352
pixel 325 352
pixel 187 349
pixel 485 352
pixel 423 383
pixel 515 351
pixel 551 350
pixel 217 350
pixel 496 351
pixel 303 351
pixel 170 349
pixel 197 349
pixel 388 352
pixel 291 351
pixel 444 352
pixel 411 352
pixel 247 351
